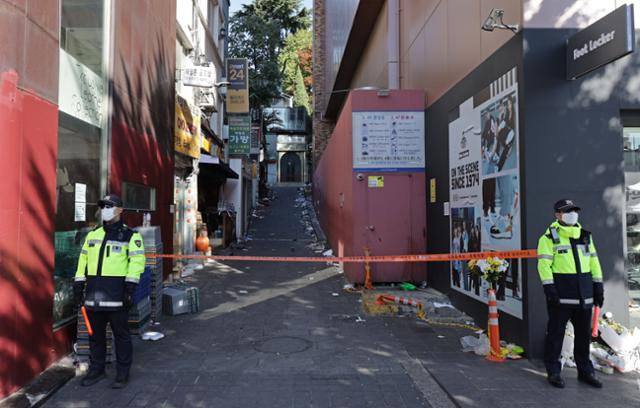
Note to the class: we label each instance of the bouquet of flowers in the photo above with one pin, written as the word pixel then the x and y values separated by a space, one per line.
pixel 490 269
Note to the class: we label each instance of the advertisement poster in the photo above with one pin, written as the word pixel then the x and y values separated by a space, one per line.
pixel 187 128
pixel 484 188
pixel 239 135
pixel 388 141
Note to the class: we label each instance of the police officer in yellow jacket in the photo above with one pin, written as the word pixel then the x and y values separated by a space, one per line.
pixel 109 268
pixel 572 280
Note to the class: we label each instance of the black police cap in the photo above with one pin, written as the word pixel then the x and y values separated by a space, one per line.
pixel 110 199
pixel 565 205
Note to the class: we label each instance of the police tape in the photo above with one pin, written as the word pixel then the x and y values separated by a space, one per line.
pixel 516 254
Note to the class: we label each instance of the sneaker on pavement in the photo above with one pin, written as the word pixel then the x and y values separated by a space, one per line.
pixel 92 377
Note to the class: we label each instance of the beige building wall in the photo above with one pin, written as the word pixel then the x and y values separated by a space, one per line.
pixel 440 43
pixel 570 13
pixel 374 69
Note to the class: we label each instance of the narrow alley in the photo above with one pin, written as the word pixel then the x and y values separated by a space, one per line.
pixel 269 335
pixel 319 203
pixel 276 335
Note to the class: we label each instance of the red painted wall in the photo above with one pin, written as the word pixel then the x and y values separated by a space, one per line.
pixel 348 208
pixel 29 50
pixel 143 87
pixel 28 167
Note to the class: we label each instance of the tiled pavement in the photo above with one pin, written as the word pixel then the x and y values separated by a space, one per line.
pixel 289 342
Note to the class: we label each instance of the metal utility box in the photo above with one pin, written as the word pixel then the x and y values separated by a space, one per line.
pixel 175 301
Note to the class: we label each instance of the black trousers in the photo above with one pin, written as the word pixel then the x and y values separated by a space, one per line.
pixel 558 317
pixel 488 196
pixel 122 339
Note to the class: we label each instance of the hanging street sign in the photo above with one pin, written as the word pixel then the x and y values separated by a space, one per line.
pixel 200 76
pixel 239 135
pixel 238 88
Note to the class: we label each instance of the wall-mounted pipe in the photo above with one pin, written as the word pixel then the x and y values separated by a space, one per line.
pixel 393 38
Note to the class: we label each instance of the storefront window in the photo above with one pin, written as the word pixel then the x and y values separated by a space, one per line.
pixel 631 144
pixel 138 197
pixel 81 31
pixel 81 92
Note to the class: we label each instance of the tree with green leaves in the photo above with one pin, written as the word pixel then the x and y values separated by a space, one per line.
pixel 296 55
pixel 257 32
pixel 300 95
pixel 289 15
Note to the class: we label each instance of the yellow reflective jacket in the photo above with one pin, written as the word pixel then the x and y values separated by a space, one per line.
pixel 567 258
pixel 112 256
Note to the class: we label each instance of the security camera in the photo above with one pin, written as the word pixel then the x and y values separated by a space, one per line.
pixel 495 21
pixel 494 16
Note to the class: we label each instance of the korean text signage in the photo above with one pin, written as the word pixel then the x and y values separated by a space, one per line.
pixel 388 141
pixel 81 90
pixel 239 135
pixel 187 128
pixel 255 139
pixel 204 77
pixel 484 189
pixel 602 42
pixel 238 88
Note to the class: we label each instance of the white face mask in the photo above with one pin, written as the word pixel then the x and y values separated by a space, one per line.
pixel 108 213
pixel 570 218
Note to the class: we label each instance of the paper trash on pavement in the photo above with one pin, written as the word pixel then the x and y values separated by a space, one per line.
pixel 479 345
pixel 441 305
pixel 622 349
pixel 621 341
pixel 151 335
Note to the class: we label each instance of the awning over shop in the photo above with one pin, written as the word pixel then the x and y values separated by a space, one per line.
pixel 214 164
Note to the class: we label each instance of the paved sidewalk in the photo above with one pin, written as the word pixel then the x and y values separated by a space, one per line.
pixel 289 342
pixel 286 342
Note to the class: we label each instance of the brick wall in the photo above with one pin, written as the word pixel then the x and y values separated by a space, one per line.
pixel 321 128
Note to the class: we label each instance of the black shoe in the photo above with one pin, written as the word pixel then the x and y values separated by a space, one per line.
pixel 590 378
pixel 555 380
pixel 120 381
pixel 92 377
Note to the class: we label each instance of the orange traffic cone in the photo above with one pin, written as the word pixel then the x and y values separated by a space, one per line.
pixel 495 354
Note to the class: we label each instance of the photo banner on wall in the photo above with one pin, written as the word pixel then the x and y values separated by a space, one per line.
pixel 388 141
pixel 484 188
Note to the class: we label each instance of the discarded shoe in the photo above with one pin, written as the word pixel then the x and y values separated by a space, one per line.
pixel 590 378
pixel 92 377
